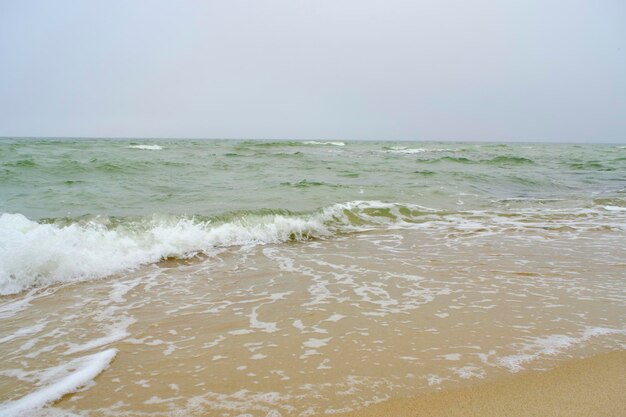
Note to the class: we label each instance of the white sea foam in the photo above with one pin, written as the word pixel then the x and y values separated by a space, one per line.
pixel 451 356
pixel 10 309
pixel 332 143
pixel 335 317
pixel 61 380
pixel 411 151
pixel 551 345
pixel 117 331
pixel 37 254
pixel 614 208
pixel 24 331
pixel 146 147
pixel 406 151
pixel 468 372
pixel 316 343
pixel 434 379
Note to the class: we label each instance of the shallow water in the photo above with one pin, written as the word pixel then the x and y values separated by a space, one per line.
pixel 297 279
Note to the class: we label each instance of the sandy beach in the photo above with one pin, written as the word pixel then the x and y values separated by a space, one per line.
pixel 589 387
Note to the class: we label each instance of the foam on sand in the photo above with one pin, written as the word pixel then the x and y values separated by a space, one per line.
pixel 551 345
pixel 79 373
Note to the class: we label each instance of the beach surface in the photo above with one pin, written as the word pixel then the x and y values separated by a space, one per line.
pixel 592 387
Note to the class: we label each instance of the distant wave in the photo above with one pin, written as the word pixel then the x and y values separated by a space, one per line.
pixel 146 147
pixel 22 163
pixel 498 160
pixel 590 166
pixel 332 143
pixel 65 250
pixel 307 184
pixel 410 151
pixel 271 144
pixel 407 151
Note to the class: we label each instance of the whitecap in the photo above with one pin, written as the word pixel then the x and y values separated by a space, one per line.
pixel 146 147
pixel 411 151
pixel 614 208
pixel 331 143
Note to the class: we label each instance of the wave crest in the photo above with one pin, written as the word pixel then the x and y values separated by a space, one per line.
pixel 66 250
pixel 37 254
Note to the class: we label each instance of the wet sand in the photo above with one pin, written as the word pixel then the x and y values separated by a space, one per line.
pixel 591 387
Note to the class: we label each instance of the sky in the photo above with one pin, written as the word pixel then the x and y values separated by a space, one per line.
pixel 489 70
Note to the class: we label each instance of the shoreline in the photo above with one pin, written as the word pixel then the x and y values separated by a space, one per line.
pixel 594 386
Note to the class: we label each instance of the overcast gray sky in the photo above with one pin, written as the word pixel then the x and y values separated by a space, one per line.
pixel 533 70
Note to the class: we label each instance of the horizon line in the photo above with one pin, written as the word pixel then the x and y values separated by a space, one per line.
pixel 533 141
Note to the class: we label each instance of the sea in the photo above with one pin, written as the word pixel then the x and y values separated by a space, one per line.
pixel 298 278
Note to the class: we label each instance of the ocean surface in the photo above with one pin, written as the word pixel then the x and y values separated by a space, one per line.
pixel 298 278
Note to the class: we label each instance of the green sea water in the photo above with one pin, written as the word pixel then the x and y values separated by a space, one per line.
pixel 59 178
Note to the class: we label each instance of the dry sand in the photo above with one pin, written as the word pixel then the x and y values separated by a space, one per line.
pixel 590 387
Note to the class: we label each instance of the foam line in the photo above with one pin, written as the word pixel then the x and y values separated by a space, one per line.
pixel 93 365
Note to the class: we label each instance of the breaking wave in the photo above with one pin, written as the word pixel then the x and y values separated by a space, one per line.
pixel 67 250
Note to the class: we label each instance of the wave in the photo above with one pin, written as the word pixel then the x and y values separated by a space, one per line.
pixel 283 143
pixel 146 147
pixel 266 144
pixel 65 250
pixel 52 251
pixel 590 166
pixel 331 143
pixel 406 151
pixel 458 160
pixel 611 202
pixel 509 160
pixel 411 151
pixel 308 184
pixel 498 160
pixel 38 254
pixel 22 163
